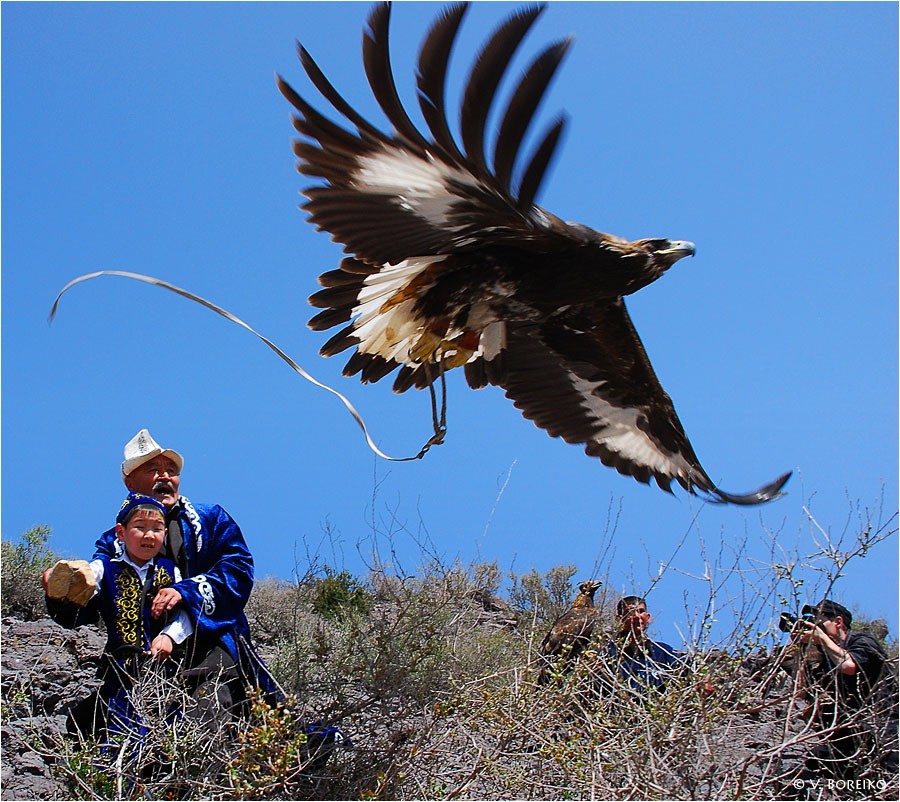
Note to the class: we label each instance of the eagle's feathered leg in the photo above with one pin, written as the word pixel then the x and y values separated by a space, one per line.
pixel 440 426
pixel 443 395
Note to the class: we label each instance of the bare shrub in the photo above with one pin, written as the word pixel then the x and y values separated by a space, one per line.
pixel 728 725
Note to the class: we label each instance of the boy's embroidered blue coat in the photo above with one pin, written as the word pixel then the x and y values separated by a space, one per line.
pixel 124 605
pixel 130 628
pixel 123 602
pixel 126 613
pixel 218 581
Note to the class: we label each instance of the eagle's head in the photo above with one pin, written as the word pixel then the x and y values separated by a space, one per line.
pixel 666 252
pixel 586 591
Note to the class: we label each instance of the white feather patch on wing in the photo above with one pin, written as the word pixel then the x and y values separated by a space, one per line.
pixel 419 186
pixel 620 432
pixel 492 340
pixel 385 328
pixel 390 333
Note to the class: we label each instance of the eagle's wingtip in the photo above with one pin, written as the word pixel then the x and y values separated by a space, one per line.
pixel 769 492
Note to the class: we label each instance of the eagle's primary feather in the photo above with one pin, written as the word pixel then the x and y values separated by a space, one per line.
pixel 451 262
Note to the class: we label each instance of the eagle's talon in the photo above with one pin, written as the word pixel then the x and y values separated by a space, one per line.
pixel 435 440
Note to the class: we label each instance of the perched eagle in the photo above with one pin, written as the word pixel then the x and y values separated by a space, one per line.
pixel 572 631
pixel 453 264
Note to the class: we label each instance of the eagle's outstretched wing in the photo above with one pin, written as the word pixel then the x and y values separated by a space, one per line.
pixel 585 377
pixel 388 198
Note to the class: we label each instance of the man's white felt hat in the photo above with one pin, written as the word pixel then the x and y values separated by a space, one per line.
pixel 142 448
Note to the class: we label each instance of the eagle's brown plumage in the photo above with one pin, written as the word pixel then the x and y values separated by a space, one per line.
pixel 451 263
pixel 572 631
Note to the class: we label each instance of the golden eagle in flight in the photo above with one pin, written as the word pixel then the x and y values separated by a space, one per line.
pixel 453 264
pixel 572 631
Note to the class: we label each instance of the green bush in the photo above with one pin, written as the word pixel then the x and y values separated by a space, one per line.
pixel 339 594
pixel 22 594
pixel 544 598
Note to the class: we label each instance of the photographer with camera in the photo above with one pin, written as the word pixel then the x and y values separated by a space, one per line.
pixel 837 670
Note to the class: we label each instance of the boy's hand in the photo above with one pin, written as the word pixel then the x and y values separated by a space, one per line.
pixel 164 601
pixel 161 648
pixel 72 580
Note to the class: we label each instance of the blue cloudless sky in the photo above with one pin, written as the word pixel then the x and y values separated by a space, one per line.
pixel 151 138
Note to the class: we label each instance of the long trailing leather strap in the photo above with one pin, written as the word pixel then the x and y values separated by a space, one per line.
pixel 436 439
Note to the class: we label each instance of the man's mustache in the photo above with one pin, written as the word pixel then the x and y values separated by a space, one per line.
pixel 163 486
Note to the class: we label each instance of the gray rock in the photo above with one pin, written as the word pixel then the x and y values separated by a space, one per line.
pixel 25 772
pixel 44 668
pixel 44 671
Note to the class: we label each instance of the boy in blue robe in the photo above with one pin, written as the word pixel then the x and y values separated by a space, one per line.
pixel 121 591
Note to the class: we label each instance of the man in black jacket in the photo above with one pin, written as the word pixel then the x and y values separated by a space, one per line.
pixel 839 672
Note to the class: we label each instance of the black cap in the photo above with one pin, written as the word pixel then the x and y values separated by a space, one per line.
pixel 829 609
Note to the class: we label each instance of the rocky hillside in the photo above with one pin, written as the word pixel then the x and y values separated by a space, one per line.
pixel 433 679
pixel 476 736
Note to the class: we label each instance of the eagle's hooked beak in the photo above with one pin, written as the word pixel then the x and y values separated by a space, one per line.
pixel 678 249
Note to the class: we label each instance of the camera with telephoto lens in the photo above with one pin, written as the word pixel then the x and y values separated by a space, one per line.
pixel 787 621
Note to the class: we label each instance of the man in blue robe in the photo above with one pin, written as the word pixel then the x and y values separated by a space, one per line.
pixel 207 546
